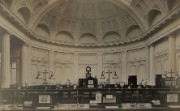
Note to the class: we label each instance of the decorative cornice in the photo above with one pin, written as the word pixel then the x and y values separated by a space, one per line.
pixel 26 30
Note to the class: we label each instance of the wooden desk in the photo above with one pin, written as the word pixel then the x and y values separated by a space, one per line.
pixel 126 95
pixel 42 99
pixel 170 97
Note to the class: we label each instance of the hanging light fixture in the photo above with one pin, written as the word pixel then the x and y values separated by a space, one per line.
pixel 115 75
pixel 102 75
pixel 38 76
pixel 51 76
pixel 47 75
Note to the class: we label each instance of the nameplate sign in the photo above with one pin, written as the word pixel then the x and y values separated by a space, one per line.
pixel 44 99
pixel 172 97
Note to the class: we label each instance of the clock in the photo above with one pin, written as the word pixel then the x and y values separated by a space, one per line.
pixel 88 69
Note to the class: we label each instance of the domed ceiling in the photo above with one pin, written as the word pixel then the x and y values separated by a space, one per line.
pixel 89 22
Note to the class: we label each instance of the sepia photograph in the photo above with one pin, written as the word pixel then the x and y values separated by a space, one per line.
pixel 89 55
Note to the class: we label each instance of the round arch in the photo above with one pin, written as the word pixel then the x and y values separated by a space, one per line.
pixel 24 14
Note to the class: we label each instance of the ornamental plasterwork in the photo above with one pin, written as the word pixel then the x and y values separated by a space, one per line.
pixel 24 28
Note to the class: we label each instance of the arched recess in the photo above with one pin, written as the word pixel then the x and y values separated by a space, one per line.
pixel 88 38
pixel 8 2
pixel 111 37
pixel 172 4
pixel 64 36
pixel 38 6
pixel 42 30
pixel 24 14
pixel 133 31
pixel 154 16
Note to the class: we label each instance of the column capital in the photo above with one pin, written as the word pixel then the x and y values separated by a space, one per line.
pixel 125 51
pixel 151 45
pixel 51 51
pixel 6 34
pixel 75 53
pixel 146 47
pixel 25 44
pixel 100 53
pixel 3 31
pixel 171 36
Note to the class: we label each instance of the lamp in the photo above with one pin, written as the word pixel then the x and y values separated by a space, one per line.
pixel 68 82
pixel 177 75
pixel 102 75
pixel 38 75
pixel 45 73
pixel 172 76
pixel 109 73
pixel 51 76
pixel 115 75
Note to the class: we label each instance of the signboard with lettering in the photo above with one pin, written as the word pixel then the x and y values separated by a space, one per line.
pixel 44 99
pixel 172 98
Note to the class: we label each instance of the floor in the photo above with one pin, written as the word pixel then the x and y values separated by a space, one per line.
pixel 88 107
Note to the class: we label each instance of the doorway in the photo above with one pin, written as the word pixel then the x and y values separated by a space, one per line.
pixel 132 80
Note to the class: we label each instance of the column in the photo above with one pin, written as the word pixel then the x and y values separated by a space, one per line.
pixel 100 64
pixel 147 77
pixel 151 63
pixel 24 63
pixel 51 67
pixel 6 67
pixel 76 75
pixel 172 53
pixel 51 60
pixel 124 67
pixel 29 65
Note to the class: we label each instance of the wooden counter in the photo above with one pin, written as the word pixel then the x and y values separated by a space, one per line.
pixel 170 97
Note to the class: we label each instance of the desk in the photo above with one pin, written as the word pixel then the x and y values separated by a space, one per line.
pixel 111 97
pixel 42 99
pixel 170 97
pixel 123 95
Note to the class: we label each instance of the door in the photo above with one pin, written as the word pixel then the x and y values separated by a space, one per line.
pixel 132 80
